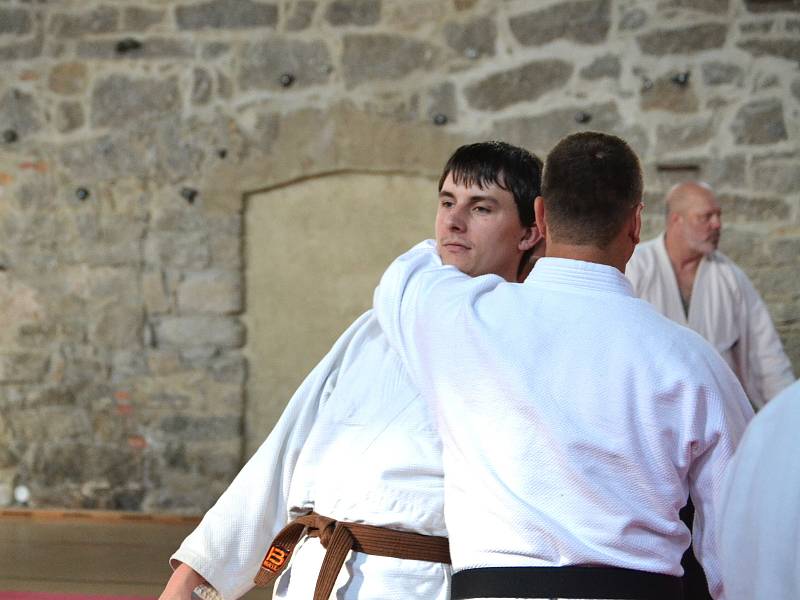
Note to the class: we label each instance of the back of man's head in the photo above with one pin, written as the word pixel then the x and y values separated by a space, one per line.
pixel 509 167
pixel 591 182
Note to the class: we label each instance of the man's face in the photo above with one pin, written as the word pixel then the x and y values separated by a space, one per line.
pixel 700 223
pixel 479 231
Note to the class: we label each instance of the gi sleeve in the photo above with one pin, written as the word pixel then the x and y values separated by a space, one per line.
pixel 228 545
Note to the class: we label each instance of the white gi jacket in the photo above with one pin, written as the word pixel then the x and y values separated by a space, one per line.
pixel 575 420
pixel 725 309
pixel 355 443
pixel 759 519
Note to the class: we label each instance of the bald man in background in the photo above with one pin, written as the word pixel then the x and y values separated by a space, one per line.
pixel 687 279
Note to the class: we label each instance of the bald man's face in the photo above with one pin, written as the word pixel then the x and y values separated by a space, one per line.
pixel 699 222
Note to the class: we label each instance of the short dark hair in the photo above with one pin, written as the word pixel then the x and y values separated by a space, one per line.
pixel 591 181
pixel 512 168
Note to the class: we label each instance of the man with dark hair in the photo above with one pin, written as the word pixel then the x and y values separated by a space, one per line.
pixel 575 420
pixel 354 462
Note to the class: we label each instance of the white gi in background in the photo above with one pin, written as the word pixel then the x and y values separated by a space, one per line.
pixel 355 443
pixel 575 419
pixel 759 519
pixel 725 309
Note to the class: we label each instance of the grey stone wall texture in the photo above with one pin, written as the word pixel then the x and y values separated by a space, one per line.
pixel 130 129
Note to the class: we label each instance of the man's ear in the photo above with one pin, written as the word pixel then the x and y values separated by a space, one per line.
pixel 532 237
pixel 635 226
pixel 539 216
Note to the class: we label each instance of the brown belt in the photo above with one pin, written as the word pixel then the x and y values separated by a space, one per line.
pixel 338 538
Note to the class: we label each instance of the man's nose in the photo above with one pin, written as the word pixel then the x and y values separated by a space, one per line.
pixel 456 220
pixel 716 221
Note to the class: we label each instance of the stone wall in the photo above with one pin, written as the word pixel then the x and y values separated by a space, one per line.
pixel 131 131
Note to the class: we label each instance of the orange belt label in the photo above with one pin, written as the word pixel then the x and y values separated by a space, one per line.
pixel 275 559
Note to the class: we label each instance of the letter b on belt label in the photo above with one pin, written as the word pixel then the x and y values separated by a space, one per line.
pixel 275 559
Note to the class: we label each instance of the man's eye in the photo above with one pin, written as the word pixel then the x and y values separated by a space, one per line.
pixel 446 203
pixel 484 210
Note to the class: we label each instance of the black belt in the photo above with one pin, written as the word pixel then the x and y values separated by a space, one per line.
pixel 565 582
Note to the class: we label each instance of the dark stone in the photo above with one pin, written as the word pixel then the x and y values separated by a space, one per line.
pixel 687 40
pixel 82 193
pixel 263 63
pixel 684 135
pixel 602 66
pixel 20 113
pixel 23 50
pixel 582 21
pixel 761 6
pixel 301 15
pixel 226 14
pixel 541 132
pixel 117 100
pixel 100 20
pixel 353 12
pixel 759 122
pixel 127 500
pixel 717 73
pixel 793 26
pixel 189 194
pixel 748 209
pixel 663 94
pixel 796 89
pixel 69 116
pixel 201 86
pixel 756 27
pixel 785 48
pixel 681 78
pixel 473 39
pixel 718 7
pixel 439 119
pixel 16 21
pixel 141 19
pixel 10 136
pixel 380 56
pixel 287 79
pixel 153 48
pixel 632 19
pixel 776 174
pixel 522 84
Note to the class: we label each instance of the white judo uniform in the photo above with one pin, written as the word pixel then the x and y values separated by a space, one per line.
pixel 355 443
pixel 759 519
pixel 725 309
pixel 575 419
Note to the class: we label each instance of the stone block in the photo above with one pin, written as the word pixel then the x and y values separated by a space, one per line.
pixel 776 175
pixel 759 122
pixel 24 50
pixel 581 21
pixel 602 66
pixel 226 14
pixel 756 27
pixel 788 48
pixel 796 89
pixel 20 111
pixel 632 19
pixel 178 250
pixel 16 21
pixel 202 85
pixel 664 94
pixel 379 56
pixel 719 73
pixel 108 157
pixel 102 19
pixel 683 135
pixel 211 330
pixel 737 208
pixel 301 14
pixel 136 18
pixel 686 40
pixel 353 12
pixel 211 292
pixel 68 79
pixel 22 367
pixel 163 361
pixel 126 364
pixel 718 7
pixel 200 428
pixel 156 299
pixel 539 133
pixel 472 39
pixel 262 64
pixel 525 83
pixel 117 100
pixel 69 116
pixel 116 326
pixel 151 49
pixel 785 251
pixel 760 6
pixel 726 172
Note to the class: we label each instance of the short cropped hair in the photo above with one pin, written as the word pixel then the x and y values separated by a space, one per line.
pixel 509 167
pixel 591 181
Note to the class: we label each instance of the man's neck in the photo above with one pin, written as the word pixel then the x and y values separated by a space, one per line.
pixel 587 253
pixel 685 263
